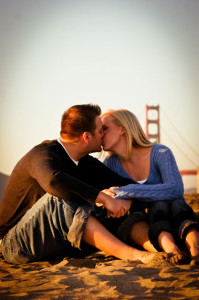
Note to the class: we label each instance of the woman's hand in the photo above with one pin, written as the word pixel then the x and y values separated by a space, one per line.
pixel 110 191
pixel 115 208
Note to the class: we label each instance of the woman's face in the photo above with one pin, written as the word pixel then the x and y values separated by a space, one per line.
pixel 112 133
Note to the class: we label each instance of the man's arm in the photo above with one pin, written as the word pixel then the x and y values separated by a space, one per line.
pixel 102 176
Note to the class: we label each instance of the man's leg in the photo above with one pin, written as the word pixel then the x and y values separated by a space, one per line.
pixel 95 234
pixel 41 233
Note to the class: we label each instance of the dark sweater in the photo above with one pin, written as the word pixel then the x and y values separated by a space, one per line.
pixel 48 169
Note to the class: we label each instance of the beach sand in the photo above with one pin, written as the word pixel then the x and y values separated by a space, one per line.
pixel 100 277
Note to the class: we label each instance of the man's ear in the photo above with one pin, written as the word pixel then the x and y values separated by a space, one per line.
pixel 86 136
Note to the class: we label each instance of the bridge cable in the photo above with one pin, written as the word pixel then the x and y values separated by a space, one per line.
pixel 196 153
pixel 179 148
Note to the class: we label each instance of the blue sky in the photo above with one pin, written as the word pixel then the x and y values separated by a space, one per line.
pixel 116 53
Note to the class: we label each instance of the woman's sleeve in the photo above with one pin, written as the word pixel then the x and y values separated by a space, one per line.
pixel 170 188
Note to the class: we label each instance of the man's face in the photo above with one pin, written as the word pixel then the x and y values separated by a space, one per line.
pixel 96 141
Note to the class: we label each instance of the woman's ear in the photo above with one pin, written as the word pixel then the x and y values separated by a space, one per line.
pixel 122 132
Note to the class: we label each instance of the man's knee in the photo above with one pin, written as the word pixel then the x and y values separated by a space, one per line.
pixel 78 224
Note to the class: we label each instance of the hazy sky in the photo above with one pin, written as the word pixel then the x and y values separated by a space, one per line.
pixel 116 53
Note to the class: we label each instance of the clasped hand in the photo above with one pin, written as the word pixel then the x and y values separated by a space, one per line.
pixel 115 208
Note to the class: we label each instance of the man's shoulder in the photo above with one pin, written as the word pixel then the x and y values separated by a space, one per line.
pixel 47 144
pixel 91 162
pixel 47 147
pixel 90 159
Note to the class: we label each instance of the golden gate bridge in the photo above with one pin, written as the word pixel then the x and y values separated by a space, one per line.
pixel 153 133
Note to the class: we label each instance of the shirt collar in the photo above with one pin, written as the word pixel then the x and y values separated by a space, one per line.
pixel 75 161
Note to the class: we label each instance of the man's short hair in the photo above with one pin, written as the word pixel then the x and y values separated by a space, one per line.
pixel 79 119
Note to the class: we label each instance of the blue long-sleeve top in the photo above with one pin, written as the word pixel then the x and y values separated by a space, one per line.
pixel 163 183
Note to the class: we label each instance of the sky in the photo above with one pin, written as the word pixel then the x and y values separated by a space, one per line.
pixel 115 53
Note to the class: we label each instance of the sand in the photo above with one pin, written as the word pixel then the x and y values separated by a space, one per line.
pixel 100 277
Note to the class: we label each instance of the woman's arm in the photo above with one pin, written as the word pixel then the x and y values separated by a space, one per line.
pixel 170 188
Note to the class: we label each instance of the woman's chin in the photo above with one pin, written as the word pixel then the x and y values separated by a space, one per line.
pixel 104 148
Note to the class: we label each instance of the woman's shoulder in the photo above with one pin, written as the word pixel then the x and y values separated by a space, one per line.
pixel 160 148
pixel 160 151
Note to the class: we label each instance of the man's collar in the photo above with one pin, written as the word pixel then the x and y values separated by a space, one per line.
pixel 75 161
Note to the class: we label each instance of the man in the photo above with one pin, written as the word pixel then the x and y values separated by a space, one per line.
pixel 49 208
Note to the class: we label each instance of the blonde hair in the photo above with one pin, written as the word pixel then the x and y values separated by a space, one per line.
pixel 135 136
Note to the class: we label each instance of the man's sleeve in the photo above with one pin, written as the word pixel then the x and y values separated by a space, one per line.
pixel 59 183
pixel 106 177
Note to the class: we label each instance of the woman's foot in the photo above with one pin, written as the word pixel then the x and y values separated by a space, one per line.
pixel 177 258
pixel 167 243
pixel 192 243
pixel 194 260
pixel 146 257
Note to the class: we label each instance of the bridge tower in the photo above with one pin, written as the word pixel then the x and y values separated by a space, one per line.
pixel 153 132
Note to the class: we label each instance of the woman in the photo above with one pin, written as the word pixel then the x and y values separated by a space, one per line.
pixel 157 186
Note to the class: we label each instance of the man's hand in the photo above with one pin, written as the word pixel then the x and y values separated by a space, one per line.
pixel 116 208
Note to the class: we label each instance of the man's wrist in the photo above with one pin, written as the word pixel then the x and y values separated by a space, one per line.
pixel 100 198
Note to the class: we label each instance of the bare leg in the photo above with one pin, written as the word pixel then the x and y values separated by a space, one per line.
pixel 192 243
pixel 167 243
pixel 97 235
pixel 140 236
